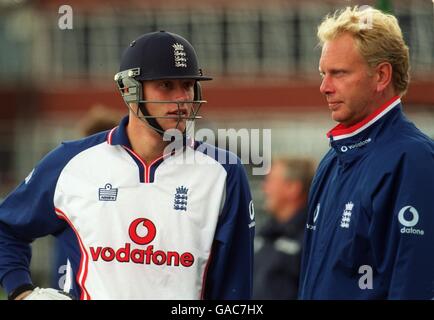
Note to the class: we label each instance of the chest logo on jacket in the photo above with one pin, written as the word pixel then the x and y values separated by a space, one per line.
pixel 356 145
pixel 346 215
pixel 409 217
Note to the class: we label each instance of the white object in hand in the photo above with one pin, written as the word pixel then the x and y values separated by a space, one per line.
pixel 47 294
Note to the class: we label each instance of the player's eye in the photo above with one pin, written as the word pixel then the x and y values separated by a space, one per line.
pixel 338 73
pixel 188 85
pixel 166 85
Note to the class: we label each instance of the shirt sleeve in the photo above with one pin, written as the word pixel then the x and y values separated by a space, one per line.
pixel 230 274
pixel 408 248
pixel 28 213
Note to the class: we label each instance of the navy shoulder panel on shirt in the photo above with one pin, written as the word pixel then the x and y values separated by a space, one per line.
pixel 230 271
pixel 34 196
pixel 58 158
pixel 226 158
pixel 28 212
pixel 237 185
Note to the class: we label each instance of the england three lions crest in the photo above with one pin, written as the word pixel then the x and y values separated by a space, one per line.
pixel 346 215
pixel 180 201
pixel 180 55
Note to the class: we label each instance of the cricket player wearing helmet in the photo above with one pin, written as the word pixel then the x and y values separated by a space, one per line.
pixel 137 223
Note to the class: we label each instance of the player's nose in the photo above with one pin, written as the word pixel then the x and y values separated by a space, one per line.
pixel 326 86
pixel 181 92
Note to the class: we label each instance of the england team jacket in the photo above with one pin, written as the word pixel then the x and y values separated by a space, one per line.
pixel 179 228
pixel 370 229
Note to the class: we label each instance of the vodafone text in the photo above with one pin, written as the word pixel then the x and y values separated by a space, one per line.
pixel 147 255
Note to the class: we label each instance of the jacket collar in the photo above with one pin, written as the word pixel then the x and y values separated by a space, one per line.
pixel 352 142
pixel 342 132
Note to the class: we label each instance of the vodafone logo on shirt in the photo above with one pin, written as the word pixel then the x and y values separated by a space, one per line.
pixel 151 231
pixel 146 255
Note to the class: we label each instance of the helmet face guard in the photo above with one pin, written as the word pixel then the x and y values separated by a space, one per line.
pixel 132 92
pixel 157 56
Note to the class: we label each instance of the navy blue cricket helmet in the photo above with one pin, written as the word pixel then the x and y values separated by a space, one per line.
pixel 156 56
pixel 162 55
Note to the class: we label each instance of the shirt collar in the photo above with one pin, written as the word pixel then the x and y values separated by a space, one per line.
pixel 341 131
pixel 118 135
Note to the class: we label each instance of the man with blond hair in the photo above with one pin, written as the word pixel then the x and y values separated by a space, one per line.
pixel 371 207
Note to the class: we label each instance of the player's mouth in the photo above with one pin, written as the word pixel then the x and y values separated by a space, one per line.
pixel 333 105
pixel 178 113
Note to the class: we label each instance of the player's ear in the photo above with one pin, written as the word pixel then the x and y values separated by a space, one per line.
pixel 383 75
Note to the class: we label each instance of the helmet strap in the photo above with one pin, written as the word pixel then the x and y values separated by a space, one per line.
pixel 152 122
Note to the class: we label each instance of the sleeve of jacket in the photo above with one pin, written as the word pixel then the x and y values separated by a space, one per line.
pixel 409 231
pixel 230 274
pixel 28 213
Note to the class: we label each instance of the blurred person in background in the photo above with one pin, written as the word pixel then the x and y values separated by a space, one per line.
pixel 371 205
pixel 278 244
pixel 99 118
pixel 136 220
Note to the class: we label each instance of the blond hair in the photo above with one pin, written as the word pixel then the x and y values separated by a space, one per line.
pixel 378 38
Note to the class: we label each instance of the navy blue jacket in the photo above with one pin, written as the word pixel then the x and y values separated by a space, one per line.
pixel 370 226
pixel 277 258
